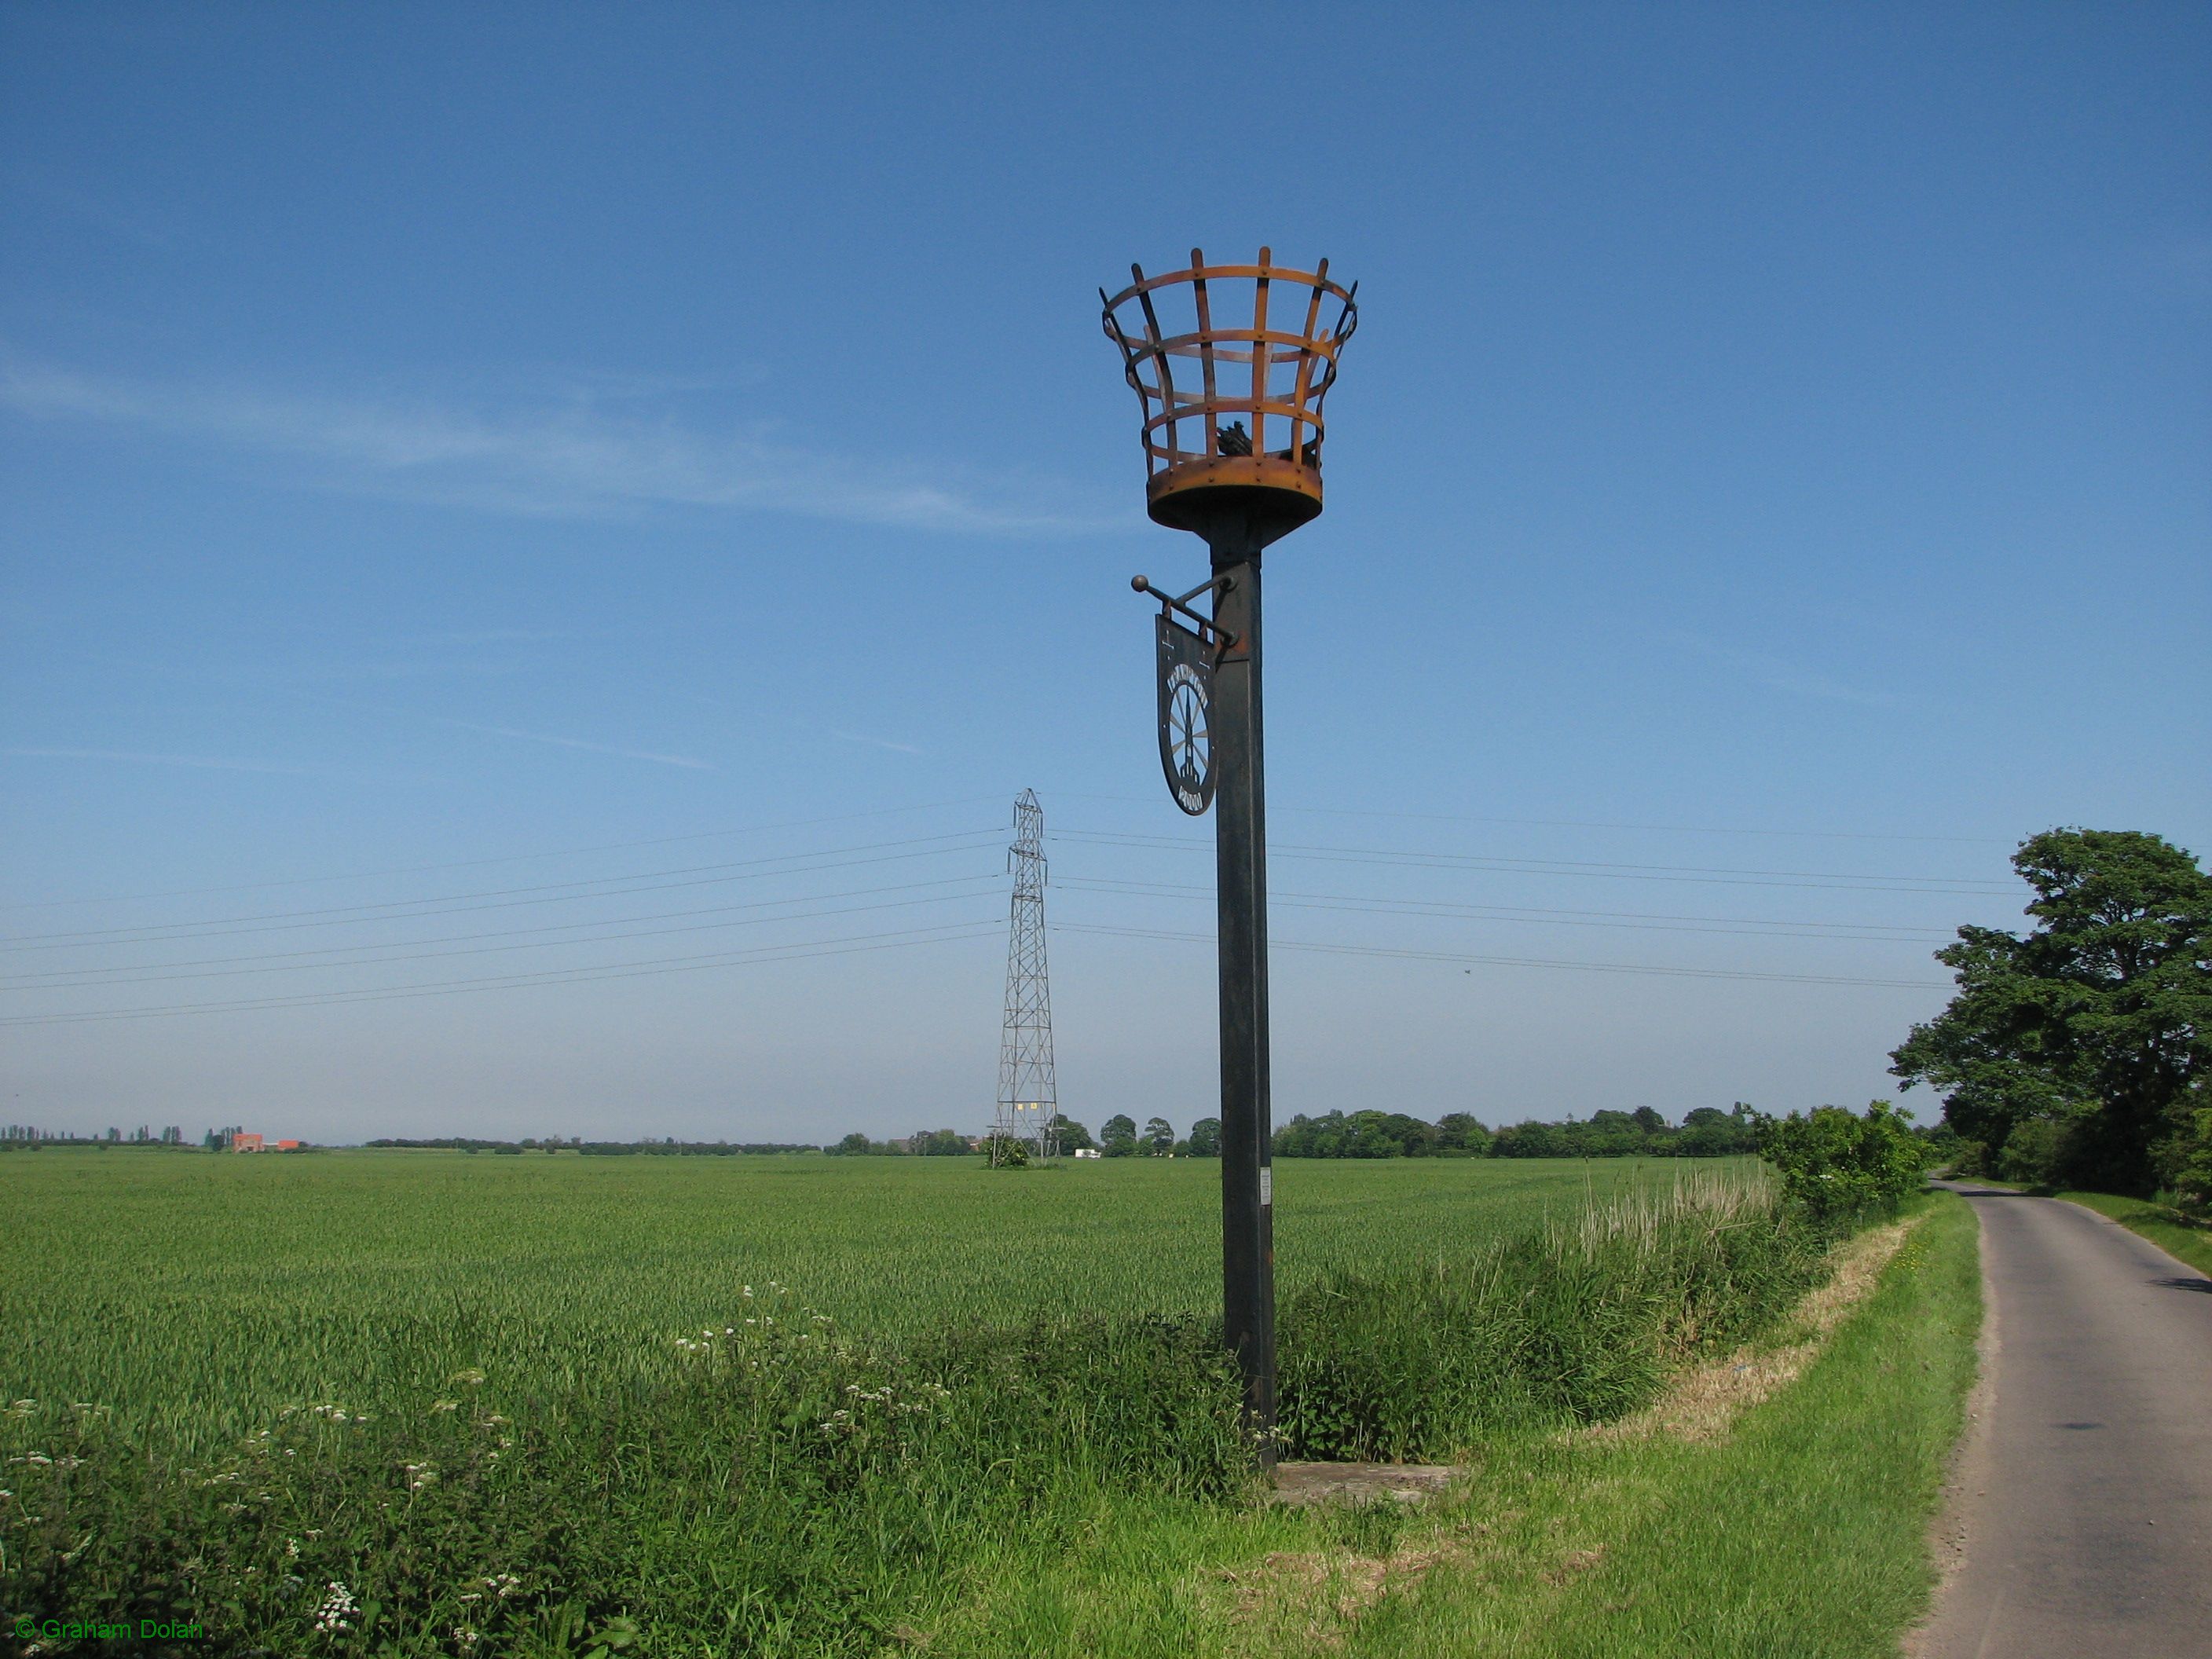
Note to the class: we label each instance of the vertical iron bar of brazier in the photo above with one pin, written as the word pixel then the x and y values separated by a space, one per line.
pixel 1248 1231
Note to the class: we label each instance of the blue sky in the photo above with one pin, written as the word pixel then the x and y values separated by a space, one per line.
pixel 493 493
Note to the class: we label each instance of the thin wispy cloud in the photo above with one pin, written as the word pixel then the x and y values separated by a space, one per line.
pixel 562 459
pixel 203 763
pixel 688 762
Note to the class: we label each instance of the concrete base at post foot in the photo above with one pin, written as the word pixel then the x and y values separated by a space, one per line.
pixel 1304 1483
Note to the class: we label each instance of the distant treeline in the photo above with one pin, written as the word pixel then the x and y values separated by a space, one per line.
pixel 1708 1132
pixel 922 1143
pixel 23 1137
pixel 666 1148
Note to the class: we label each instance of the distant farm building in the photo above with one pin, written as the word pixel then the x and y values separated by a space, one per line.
pixel 243 1142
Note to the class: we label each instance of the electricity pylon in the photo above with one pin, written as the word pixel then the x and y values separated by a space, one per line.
pixel 1029 1099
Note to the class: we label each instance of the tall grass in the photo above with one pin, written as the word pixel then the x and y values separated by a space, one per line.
pixel 1576 1321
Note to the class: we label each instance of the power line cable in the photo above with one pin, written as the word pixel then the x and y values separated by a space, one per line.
pixel 948 933
pixel 1274 805
pixel 547 893
pixel 1841 881
pixel 504 932
pixel 140 977
pixel 1737 926
pixel 504 858
pixel 1518 961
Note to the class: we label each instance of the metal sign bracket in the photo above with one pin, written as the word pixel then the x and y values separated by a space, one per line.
pixel 1218 639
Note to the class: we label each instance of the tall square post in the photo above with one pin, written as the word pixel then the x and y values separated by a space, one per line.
pixel 1240 840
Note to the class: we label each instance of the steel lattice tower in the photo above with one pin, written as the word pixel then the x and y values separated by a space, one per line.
pixel 1028 1100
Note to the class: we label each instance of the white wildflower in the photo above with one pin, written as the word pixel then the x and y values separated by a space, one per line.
pixel 336 1604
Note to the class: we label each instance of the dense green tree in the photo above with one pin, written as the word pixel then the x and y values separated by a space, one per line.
pixel 1159 1137
pixel 1649 1120
pixel 2099 1019
pixel 1119 1137
pixel 1355 1134
pixel 1205 1138
pixel 1708 1132
pixel 854 1143
pixel 1462 1134
pixel 1529 1139
pixel 1837 1162
pixel 1073 1137
pixel 2185 1163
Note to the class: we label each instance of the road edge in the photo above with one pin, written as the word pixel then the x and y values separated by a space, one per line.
pixel 1950 1530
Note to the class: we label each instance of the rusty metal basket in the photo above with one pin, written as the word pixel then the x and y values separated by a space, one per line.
pixel 1201 371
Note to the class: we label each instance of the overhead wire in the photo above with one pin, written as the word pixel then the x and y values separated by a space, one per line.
pixel 503 858
pixel 374 953
pixel 899 939
pixel 146 973
pixel 1827 880
pixel 1454 956
pixel 1735 927
pixel 649 881
pixel 1278 805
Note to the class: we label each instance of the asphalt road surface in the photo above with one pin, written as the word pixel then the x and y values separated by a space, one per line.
pixel 2082 1518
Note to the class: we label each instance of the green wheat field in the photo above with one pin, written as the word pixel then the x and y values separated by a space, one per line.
pixel 192 1294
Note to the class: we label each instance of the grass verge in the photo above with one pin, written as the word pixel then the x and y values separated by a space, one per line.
pixel 2179 1235
pixel 1804 1532
pixel 1802 1529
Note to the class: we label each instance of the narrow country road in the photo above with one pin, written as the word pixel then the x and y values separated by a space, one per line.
pixel 2084 1522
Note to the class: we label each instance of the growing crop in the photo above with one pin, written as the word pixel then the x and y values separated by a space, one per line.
pixel 418 1403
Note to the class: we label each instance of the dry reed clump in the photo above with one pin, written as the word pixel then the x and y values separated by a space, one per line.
pixel 1703 1402
pixel 1710 1199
